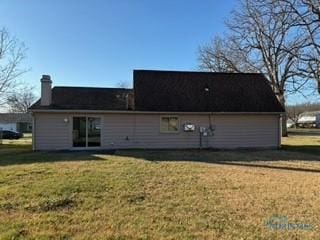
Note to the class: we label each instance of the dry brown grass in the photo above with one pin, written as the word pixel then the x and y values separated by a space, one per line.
pixel 160 194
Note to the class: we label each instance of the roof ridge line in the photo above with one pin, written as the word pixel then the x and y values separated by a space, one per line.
pixel 113 88
pixel 204 72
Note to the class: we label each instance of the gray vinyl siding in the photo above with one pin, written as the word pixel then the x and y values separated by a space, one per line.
pixel 231 131
pixel 122 130
pixel 51 132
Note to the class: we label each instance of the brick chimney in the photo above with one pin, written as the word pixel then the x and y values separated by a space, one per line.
pixel 45 90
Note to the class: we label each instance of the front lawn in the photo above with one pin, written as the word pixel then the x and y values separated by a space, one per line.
pixel 160 194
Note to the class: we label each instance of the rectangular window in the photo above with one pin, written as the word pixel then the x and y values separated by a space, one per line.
pixel 169 124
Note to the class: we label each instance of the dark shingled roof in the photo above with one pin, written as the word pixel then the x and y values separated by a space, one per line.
pixel 203 92
pixel 86 98
pixel 173 91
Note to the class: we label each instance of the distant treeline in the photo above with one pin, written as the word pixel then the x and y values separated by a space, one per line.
pixel 293 111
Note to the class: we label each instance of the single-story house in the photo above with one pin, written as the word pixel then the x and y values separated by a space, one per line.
pixel 309 119
pixel 165 109
pixel 18 122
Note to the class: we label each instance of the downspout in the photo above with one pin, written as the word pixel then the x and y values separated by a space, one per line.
pixel 279 131
pixel 211 140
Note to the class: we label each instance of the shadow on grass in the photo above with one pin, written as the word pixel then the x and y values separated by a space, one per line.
pixel 298 169
pixel 307 149
pixel 22 154
pixel 246 158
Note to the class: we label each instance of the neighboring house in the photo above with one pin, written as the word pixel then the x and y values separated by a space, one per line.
pixel 19 122
pixel 290 123
pixel 165 109
pixel 309 119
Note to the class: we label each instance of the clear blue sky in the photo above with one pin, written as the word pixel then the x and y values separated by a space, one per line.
pixel 100 42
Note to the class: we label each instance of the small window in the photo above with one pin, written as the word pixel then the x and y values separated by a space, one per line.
pixel 169 124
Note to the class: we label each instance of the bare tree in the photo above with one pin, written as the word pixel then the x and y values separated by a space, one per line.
pixel 220 56
pixel 307 12
pixel 20 101
pixel 293 113
pixel 123 84
pixel 267 41
pixel 12 52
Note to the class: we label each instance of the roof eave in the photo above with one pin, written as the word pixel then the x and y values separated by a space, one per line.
pixel 146 112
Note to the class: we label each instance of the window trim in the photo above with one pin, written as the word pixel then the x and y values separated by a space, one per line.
pixel 169 116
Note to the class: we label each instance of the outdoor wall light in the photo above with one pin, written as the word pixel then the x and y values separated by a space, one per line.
pixel 66 120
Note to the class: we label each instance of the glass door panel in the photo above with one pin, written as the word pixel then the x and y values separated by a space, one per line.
pixel 79 132
pixel 93 125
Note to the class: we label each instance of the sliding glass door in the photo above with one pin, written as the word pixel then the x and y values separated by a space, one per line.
pixel 86 132
pixel 93 125
pixel 79 132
